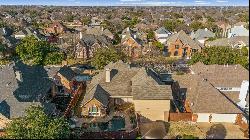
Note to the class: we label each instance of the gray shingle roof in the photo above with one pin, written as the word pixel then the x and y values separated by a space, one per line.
pixel 67 72
pixel 162 30
pixel 201 34
pixel 89 40
pixel 98 93
pixel 16 96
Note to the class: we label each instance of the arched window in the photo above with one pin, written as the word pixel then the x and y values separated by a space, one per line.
pixel 176 53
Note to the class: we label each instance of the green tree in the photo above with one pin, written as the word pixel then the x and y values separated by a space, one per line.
pixel 150 35
pixel 103 56
pixel 189 137
pixel 195 25
pixel 2 50
pixel 70 18
pixel 86 20
pixel 53 58
pixel 172 25
pixel 221 55
pixel 34 52
pixel 169 25
pixel 37 125
pixel 158 45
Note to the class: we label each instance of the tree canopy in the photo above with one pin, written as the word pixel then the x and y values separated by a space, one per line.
pixel 103 56
pixel 37 125
pixel 221 55
pixel 35 52
pixel 172 25
pixel 158 45
pixel 150 35
pixel 195 25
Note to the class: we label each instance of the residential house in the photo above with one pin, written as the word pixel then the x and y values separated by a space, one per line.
pixel 214 93
pixel 22 86
pixel 203 101
pixel 225 78
pixel 162 34
pixel 241 24
pixel 66 88
pixel 224 26
pixel 238 31
pixel 119 83
pixel 132 44
pixel 28 31
pixel 56 28
pixel 63 80
pixel 234 42
pixel 75 23
pixel 202 35
pixel 88 44
pixel 99 31
pixel 181 45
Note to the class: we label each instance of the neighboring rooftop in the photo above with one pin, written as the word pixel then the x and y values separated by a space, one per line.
pixel 185 39
pixel 222 75
pixel 229 42
pixel 203 96
pixel 202 34
pixel 17 95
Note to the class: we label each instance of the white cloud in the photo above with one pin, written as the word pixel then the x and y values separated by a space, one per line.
pixel 201 2
pixel 150 3
pixel 222 1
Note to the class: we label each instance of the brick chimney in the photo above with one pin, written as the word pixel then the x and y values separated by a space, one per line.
pixel 107 77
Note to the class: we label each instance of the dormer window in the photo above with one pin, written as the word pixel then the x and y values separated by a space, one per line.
pixel 177 46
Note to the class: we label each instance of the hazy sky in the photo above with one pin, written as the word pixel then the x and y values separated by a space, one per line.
pixel 128 2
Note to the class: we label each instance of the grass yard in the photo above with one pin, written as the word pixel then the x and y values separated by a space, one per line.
pixel 183 128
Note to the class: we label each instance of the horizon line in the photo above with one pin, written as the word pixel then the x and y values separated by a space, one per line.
pixel 126 5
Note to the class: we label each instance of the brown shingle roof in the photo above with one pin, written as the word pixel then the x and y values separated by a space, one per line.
pixel 204 97
pixel 184 38
pixel 130 81
pixel 220 75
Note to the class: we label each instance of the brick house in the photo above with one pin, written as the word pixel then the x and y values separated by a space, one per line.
pixel 88 44
pixel 56 28
pixel 181 45
pixel 131 42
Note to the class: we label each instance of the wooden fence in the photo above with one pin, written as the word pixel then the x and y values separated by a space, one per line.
pixel 180 116
pixel 244 127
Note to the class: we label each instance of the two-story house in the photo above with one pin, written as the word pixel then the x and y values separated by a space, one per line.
pixel 181 45
pixel 131 42
pixel 88 44
pixel 119 83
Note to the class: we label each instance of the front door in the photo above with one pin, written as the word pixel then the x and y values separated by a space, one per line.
pixel 184 52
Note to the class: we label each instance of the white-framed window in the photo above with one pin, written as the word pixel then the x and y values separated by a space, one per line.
pixel 94 111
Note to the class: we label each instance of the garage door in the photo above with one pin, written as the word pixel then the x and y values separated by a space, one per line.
pixel 224 118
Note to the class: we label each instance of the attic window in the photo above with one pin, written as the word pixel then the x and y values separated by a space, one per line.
pixel 177 46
